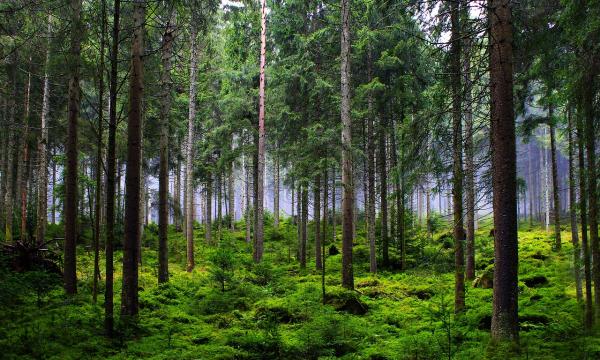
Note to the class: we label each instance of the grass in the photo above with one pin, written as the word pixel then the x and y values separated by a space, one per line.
pixel 275 310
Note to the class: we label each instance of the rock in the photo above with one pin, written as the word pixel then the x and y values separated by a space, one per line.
pixel 486 279
pixel 536 281
pixel 421 293
pixel 333 250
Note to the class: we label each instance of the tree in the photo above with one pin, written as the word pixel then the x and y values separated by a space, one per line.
pixel 129 301
pixel 504 176
pixel 70 208
pixel 111 174
pixel 163 178
pixel 347 183
pixel 259 229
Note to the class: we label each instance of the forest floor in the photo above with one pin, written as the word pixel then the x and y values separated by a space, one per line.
pixel 274 310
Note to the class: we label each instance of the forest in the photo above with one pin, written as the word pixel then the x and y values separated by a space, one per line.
pixel 299 179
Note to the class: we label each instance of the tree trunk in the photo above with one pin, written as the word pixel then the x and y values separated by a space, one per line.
pixel 11 154
pixel 163 176
pixel 324 241
pixel 333 200
pixel 24 164
pixel 383 187
pixel 189 156
pixel 587 266
pixel 231 197
pixel 457 153
pixel 247 200
pixel 258 231
pixel 70 204
pixel 129 301
pixel 505 296
pixel 555 190
pixel 469 171
pixel 209 196
pixel 317 221
pixel 347 182
pixel 42 174
pixel 590 147
pixel 276 194
pixel 303 225
pixel 370 172
pixel 573 209
pixel 98 197
pixel 110 174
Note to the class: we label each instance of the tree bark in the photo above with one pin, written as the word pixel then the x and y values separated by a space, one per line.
pixel 457 153
pixel 573 209
pixel 22 176
pixel 259 230
pixel 303 225
pixel 505 296
pixel 347 181
pixel 98 197
pixel 587 266
pixel 231 197
pixel 381 164
pixel 555 191
pixel 189 182
pixel 317 221
pixel 469 171
pixel 129 301
pixel 11 154
pixel 209 197
pixel 70 204
pixel 370 172
pixel 276 194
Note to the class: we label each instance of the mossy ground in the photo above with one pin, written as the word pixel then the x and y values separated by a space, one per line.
pixel 276 310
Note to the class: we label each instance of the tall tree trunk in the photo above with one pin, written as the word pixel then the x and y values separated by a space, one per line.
pixel 347 182
pixel 11 154
pixel 231 197
pixel 555 190
pixel 258 231
pixel 506 254
pixel 324 234
pixel 590 147
pixel 24 163
pixel 70 204
pixel 53 199
pixel 383 187
pixel 177 218
pixel 317 221
pixel 303 225
pixel 163 176
pixel 333 201
pixel 129 301
pixel 457 153
pixel 573 209
pixel 247 200
pixel 587 266
pixel 42 174
pixel 276 194
pixel 209 210
pixel 469 170
pixel 98 197
pixel 370 171
pixel 189 156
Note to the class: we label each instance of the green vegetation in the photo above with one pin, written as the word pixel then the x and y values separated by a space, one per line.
pixel 231 308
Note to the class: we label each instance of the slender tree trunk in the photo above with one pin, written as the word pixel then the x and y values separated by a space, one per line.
pixel 163 177
pixel 333 201
pixel 209 196
pixel 587 266
pixel 247 200
pixel 276 194
pixel 98 197
pixel 189 191
pixel 177 218
pixel 42 174
pixel 469 171
pixel 24 164
pixel 347 182
pixel 258 231
pixel 53 199
pixel 304 226
pixel 11 154
pixel 555 191
pixel 323 243
pixel 370 172
pixel 70 204
pixel 590 147
pixel 573 209
pixel 231 197
pixel 317 221
pixel 457 168
pixel 505 296
pixel 129 301
pixel 383 187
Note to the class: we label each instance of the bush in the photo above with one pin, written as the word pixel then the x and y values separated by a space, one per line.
pixel 222 266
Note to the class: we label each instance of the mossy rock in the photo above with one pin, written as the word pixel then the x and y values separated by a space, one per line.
pixel 346 301
pixel 421 292
pixel 485 280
